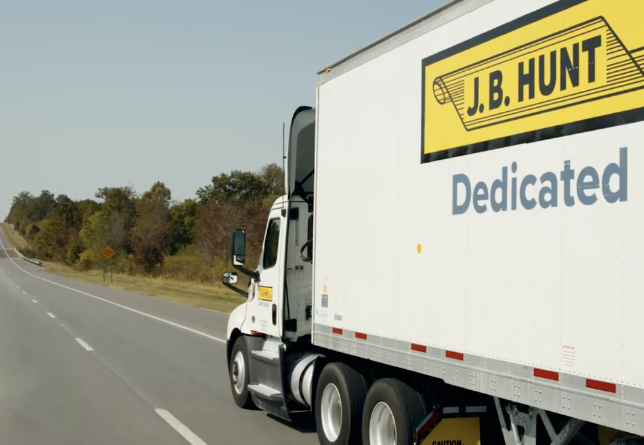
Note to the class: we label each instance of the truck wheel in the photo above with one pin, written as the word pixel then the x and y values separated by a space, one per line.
pixel 339 399
pixel 391 413
pixel 240 375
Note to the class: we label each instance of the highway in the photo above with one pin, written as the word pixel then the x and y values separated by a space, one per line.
pixel 82 363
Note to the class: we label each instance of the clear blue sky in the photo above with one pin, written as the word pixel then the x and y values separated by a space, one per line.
pixel 108 93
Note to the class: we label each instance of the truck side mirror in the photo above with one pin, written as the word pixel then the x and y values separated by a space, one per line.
pixel 229 278
pixel 239 247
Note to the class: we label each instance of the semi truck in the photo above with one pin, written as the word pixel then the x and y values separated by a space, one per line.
pixel 458 256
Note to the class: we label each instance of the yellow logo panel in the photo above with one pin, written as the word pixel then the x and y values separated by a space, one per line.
pixel 575 62
pixel 265 293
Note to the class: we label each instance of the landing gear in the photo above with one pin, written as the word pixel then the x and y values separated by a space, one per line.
pixel 339 400
pixel 239 375
pixel 528 423
pixel 391 413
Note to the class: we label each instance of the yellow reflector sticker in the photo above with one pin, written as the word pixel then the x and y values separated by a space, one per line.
pixel 266 293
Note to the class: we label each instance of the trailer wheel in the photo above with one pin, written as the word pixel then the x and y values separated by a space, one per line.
pixel 392 411
pixel 239 374
pixel 339 399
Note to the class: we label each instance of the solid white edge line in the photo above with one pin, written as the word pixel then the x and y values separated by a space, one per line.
pixel 179 427
pixel 51 315
pixel 84 345
pixel 176 325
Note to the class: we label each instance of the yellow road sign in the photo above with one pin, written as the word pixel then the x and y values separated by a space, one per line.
pixel 107 252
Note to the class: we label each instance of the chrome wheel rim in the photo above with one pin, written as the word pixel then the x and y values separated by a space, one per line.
pixel 238 372
pixel 331 412
pixel 382 425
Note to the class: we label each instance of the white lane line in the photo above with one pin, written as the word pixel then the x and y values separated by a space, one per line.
pixel 18 287
pixel 51 315
pixel 83 344
pixel 34 301
pixel 176 325
pixel 179 427
pixel 24 293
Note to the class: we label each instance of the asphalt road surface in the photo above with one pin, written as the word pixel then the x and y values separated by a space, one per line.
pixel 85 364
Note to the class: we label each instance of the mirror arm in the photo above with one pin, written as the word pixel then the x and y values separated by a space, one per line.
pixel 236 289
pixel 251 273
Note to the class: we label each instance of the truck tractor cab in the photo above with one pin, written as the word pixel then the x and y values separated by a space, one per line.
pixel 269 335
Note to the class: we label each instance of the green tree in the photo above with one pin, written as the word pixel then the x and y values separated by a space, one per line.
pixel 273 177
pixel 150 227
pixel 152 230
pixel 213 229
pixel 93 234
pixel 119 213
pixel 74 250
pixel 27 209
pixel 236 200
pixel 18 207
pixel 41 207
pixel 118 200
pixel 88 207
pixel 215 225
pixel 237 188
pixel 184 217
pixel 68 215
pixel 60 199
pixel 59 232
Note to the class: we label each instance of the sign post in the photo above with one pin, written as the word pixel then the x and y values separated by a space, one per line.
pixel 107 252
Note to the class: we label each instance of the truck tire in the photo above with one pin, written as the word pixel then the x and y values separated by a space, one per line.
pixel 392 409
pixel 239 375
pixel 339 400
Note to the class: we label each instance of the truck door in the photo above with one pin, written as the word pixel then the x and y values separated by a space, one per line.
pixel 264 312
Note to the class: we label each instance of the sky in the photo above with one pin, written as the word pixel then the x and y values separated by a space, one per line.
pixel 111 93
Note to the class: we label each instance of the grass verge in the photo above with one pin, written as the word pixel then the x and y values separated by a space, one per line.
pixel 14 237
pixel 213 297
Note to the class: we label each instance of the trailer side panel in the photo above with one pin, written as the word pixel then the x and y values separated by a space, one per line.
pixel 481 222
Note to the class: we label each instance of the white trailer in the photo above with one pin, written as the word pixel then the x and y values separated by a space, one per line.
pixel 461 235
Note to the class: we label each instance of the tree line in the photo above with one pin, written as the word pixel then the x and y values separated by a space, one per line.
pixel 150 232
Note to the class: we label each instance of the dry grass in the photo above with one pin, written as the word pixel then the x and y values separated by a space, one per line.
pixel 14 237
pixel 213 297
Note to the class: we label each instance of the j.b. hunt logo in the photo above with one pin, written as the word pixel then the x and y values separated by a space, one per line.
pixel 567 76
pixel 560 65
pixel 548 190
